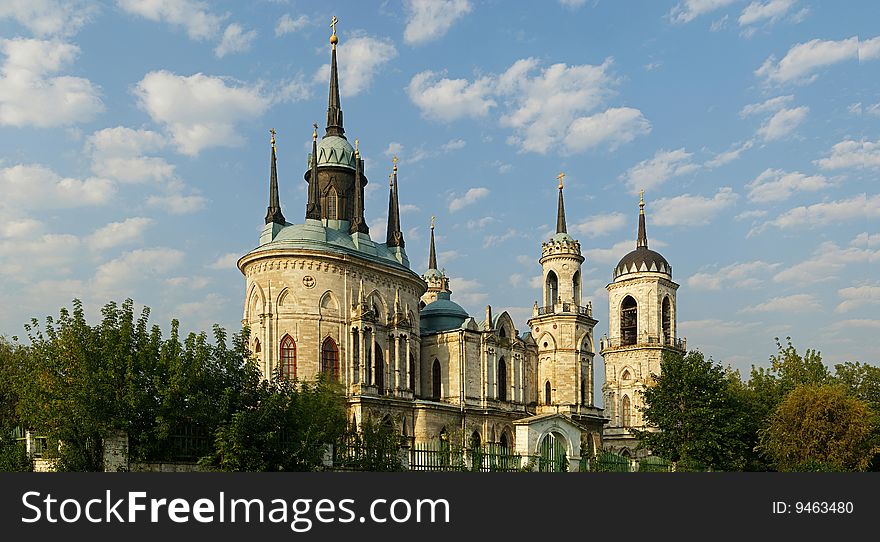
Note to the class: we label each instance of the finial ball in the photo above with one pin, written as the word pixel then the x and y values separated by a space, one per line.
pixel 334 40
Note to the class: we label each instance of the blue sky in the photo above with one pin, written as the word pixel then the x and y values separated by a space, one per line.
pixel 134 151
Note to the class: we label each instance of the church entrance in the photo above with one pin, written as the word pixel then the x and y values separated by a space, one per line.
pixel 552 457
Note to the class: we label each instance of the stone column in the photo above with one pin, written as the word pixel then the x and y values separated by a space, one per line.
pixel 406 373
pixel 397 371
pixel 372 358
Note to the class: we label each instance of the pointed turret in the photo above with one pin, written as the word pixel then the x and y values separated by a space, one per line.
pixel 560 211
pixel 358 224
pixel 432 254
pixel 334 109
pixel 642 240
pixel 313 206
pixel 273 213
pixel 394 237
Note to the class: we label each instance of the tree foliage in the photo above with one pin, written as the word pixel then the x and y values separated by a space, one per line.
pixel 820 427
pixel 697 416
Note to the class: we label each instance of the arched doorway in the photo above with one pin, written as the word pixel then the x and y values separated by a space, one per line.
pixel 552 454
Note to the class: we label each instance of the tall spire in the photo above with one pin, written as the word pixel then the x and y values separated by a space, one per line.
pixel 313 206
pixel 358 224
pixel 432 254
pixel 643 236
pixel 334 109
pixel 273 213
pixel 394 237
pixel 560 211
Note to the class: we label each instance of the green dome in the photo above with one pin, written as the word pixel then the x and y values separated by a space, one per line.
pixel 432 273
pixel 562 238
pixel 441 315
pixel 335 151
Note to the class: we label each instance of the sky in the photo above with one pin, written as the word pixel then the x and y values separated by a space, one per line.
pixel 134 152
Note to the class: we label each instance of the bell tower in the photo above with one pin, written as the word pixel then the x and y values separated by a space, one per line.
pixel 562 325
pixel 642 308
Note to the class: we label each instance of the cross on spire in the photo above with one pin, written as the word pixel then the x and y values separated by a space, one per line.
pixel 560 177
pixel 333 22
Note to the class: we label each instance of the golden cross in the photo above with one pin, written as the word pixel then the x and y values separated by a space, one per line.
pixel 642 196
pixel 395 162
pixel 432 221
pixel 272 131
pixel 315 133
pixel 356 146
pixel 560 177
pixel 333 23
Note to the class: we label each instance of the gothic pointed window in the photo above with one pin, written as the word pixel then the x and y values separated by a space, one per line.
pixel 330 359
pixel 257 348
pixel 288 358
pixel 332 204
pixel 576 287
pixel 625 412
pixel 552 289
pixel 355 354
pixel 629 317
pixel 412 373
pixel 502 380
pixel 667 320
pixel 435 381
pixel 547 390
pixel 380 369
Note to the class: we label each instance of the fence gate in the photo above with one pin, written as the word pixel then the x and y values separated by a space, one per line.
pixel 552 454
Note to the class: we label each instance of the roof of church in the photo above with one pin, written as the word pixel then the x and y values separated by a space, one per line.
pixel 441 314
pixel 642 259
pixel 335 151
pixel 313 235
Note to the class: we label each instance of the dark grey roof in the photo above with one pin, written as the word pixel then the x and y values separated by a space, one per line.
pixel 640 260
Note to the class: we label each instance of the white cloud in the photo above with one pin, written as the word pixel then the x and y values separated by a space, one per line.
pixel 649 174
pixel 713 327
pixel 49 17
pixel 803 59
pixel 225 262
pixel 30 96
pixel 869 49
pixel 492 240
pixel 469 198
pixel 777 185
pixel 516 280
pixel 828 260
pixel 770 11
pixel 481 223
pixel 687 210
pixel 193 15
pixel 200 110
pixel 360 58
pixel 572 3
pixel 119 233
pixel 860 207
pixel 120 273
pixel 688 10
pixel 730 155
pixel 52 253
pixel 856 322
pixel 467 291
pixel 20 228
pixel 749 215
pixel 615 126
pixel 782 123
pixel 287 24
pixel 450 99
pixel 453 145
pixel 118 153
pixel 738 275
pixel 598 225
pixel 428 20
pixel 773 104
pixel 235 40
pixel 858 296
pixel 178 204
pixel 789 304
pixel 38 187
pixel 852 154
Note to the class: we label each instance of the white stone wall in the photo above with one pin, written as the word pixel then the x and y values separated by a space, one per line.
pixel 648 289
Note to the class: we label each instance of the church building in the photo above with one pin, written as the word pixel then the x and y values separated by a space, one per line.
pixel 323 297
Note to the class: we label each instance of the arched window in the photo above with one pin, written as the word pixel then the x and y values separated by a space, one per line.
pixel 502 379
pixel 288 357
pixel 576 287
pixel 380 369
pixel 332 203
pixel 355 354
pixel 412 373
pixel 330 359
pixel 504 442
pixel 625 412
pixel 629 316
pixel 435 381
pixel 257 348
pixel 502 332
pixel 547 396
pixel 667 320
pixel 625 375
pixel 552 289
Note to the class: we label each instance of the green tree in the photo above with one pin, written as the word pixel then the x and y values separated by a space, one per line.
pixel 698 418
pixel 862 380
pixel 281 426
pixel 821 427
